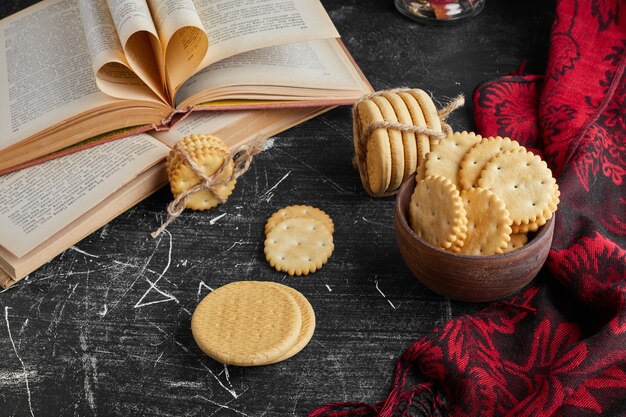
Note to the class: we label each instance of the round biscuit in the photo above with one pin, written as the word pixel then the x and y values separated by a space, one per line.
pixel 298 246
pixel 290 212
pixel 475 159
pixel 308 323
pixel 436 213
pixel 377 149
pixel 395 143
pixel 488 223
pixel 444 157
pixel 428 109
pixel 525 184
pixel 409 144
pixel 517 241
pixel 246 323
pixel 378 160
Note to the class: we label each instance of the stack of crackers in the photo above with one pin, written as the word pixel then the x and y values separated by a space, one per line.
pixel 481 196
pixel 299 239
pixel 391 155
pixel 252 323
pixel 208 153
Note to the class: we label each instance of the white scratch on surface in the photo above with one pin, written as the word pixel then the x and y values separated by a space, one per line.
pixel 89 368
pixel 223 406
pixel 6 318
pixel 329 289
pixel 202 284
pixel 168 297
pixel 104 311
pixel 74 248
pixel 215 219
pixel 227 375
pixel 267 196
pixel 384 296
pixel 158 359
pixel 186 350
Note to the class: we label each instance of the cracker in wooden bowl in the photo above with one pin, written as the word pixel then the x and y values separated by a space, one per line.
pixel 525 184
pixel 437 214
pixel 488 223
pixel 477 157
pixel 444 157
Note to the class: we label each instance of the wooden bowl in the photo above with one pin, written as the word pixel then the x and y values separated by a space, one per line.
pixel 468 277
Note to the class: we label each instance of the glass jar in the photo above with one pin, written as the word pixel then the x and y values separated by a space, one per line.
pixel 439 11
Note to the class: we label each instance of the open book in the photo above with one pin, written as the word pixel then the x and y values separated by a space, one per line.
pixel 73 70
pixel 46 208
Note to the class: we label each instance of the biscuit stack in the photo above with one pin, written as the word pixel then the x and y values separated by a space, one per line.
pixel 481 196
pixel 390 156
pixel 208 153
pixel 251 323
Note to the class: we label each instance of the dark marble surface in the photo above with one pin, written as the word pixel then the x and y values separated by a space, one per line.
pixel 94 333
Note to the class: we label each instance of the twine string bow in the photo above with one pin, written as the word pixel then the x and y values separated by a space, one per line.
pixel 242 158
pixel 361 139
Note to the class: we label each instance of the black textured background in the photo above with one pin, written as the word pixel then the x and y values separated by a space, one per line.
pixel 94 334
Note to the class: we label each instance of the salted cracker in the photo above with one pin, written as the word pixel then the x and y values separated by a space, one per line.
pixel 437 214
pixel 298 246
pixel 208 160
pixel 291 212
pixel 477 157
pixel 247 323
pixel 444 157
pixel 517 241
pixel 525 184
pixel 488 223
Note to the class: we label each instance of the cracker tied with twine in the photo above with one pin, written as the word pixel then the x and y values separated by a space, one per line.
pixel 203 173
pixel 393 132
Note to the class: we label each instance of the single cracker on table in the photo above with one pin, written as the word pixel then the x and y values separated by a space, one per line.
pixel 247 323
pixel 307 327
pixel 298 246
pixel 444 157
pixel 409 144
pixel 525 184
pixel 488 223
pixel 517 241
pixel 291 212
pixel 395 142
pixel 437 214
pixel 209 161
pixel 377 148
pixel 477 157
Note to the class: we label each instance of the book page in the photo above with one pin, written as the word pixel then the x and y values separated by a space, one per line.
pixel 113 73
pixel 183 39
pixel 313 65
pixel 45 70
pixel 37 202
pixel 140 41
pixel 236 26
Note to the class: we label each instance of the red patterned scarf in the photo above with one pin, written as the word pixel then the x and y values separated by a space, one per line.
pixel 559 347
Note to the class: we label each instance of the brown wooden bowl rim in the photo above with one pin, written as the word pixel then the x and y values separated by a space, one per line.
pixel 401 214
